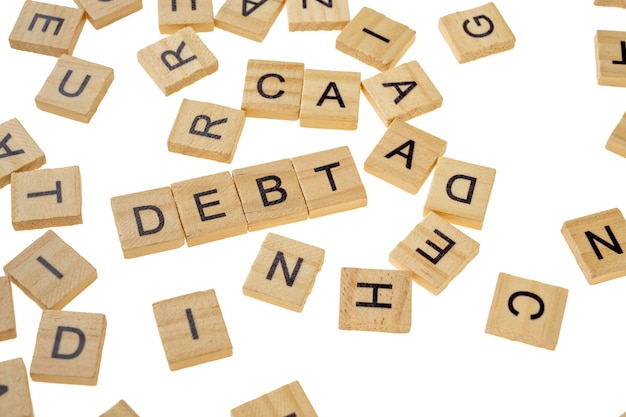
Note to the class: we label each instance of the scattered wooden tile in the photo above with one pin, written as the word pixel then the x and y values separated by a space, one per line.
pixel 177 61
pixel 289 401
pixel 435 252
pixel 8 328
pixel 280 257
pixel 330 99
pixel 46 198
pixel 102 13
pixel 527 311
pixel 206 130
pixel 209 208
pixel 273 89
pixel 270 194
pixel 330 181
pixel 611 3
pixel 617 141
pixel 248 18
pixel 18 151
pixel 317 14
pixel 375 39
pixel 47 29
pixel 192 329
pixel 405 156
pixel 121 409
pixel 460 191
pixel 597 243
pixel 403 93
pixel 50 272
pixel 611 58
pixel 75 88
pixel 476 33
pixel 175 15
pixel 375 300
pixel 15 400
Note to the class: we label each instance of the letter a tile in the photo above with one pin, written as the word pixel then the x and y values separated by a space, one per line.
pixel 527 311
pixel 18 151
pixel 15 399
pixel 611 58
pixel 177 61
pixel 101 14
pixel 75 88
pixel 251 19
pixel 68 349
pixel 121 409
pixel 597 242
pixel 286 401
pixel 7 311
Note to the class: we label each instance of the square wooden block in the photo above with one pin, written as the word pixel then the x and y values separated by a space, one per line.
pixel 435 252
pixel 247 18
pixel 617 141
pixel 50 272
pixel 330 181
pixel 405 156
pixel 330 99
pixel 209 208
pixel 121 409
pixel 47 29
pixel 317 14
pixel 375 300
pixel 597 242
pixel 18 151
pixel 74 89
pixel 206 130
pixel 177 61
pixel 476 33
pixel 610 3
pixel 46 198
pixel 460 191
pixel 69 346
pixel 103 13
pixel 147 222
pixel 527 311
pixel 611 58
pixel 270 194
pixel 192 329
pixel 15 400
pixel 284 272
pixel 8 328
pixel 403 93
pixel 289 401
pixel 374 39
pixel 273 89
pixel 175 15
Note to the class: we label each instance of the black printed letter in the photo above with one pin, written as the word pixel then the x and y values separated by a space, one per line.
pixel 410 85
pixel 7 150
pixel 57 343
pixel 289 278
pixel 337 95
pixel 441 252
pixel 207 126
pixel 477 20
pixel 78 92
pixel 259 85
pixel 470 190
pixel 276 187
pixel 329 173
pixel 176 54
pixel 201 206
pixel 409 156
pixel 375 288
pixel 615 247
pixel 140 229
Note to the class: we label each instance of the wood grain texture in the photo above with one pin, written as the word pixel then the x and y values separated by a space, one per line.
pixel 8 328
pixel 175 15
pixel 250 19
pixel 18 151
pixel 616 142
pixel 101 14
pixel 288 400
pixel 16 400
pixel 610 58
pixel 120 409
pixel 305 15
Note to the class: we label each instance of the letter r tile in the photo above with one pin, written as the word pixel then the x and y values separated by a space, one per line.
pixel 15 399
pixel 287 401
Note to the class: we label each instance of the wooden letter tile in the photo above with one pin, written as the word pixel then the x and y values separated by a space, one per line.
pixel 330 181
pixel 175 15
pixel 375 39
pixel 101 14
pixel 435 252
pixel 284 272
pixel 74 89
pixel 192 329
pixel 330 99
pixel 617 141
pixel 47 28
pixel 50 272
pixel 46 198
pixel 177 61
pixel 206 130
pixel 460 191
pixel 597 243
pixel 121 409
pixel 611 58
pixel 209 208
pixel 248 18
pixel 273 89
pixel 287 401
pixel 15 400
pixel 68 347
pixel 270 194
pixel 610 3
pixel 147 222
pixel 18 151
pixel 375 300
pixel 317 14
pixel 405 156
pixel 476 33
pixel 7 312
pixel 401 93
pixel 527 311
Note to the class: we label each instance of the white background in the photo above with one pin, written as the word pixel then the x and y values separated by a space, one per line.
pixel 535 114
